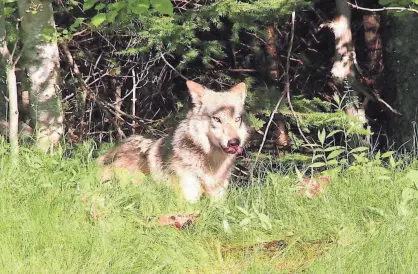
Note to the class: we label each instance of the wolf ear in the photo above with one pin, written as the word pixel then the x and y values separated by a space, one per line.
pixel 241 90
pixel 196 91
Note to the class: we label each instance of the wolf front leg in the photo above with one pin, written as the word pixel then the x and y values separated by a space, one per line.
pixel 218 191
pixel 190 186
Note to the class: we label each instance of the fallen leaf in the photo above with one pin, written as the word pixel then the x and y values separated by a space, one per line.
pixel 311 187
pixel 179 221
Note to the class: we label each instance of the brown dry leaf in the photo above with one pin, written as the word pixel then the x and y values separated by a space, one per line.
pixel 312 187
pixel 179 221
pixel 277 244
pixel 272 246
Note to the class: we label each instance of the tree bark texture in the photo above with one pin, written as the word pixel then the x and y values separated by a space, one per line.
pixel 401 51
pixel 373 42
pixel 272 52
pixel 41 64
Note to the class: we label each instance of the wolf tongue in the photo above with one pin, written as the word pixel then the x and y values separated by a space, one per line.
pixel 234 150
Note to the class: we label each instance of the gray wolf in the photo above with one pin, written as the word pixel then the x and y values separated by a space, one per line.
pixel 199 154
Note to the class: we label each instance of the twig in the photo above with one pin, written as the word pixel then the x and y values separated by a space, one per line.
pixel 399 9
pixel 168 64
pixel 15 47
pixel 287 80
pixel 134 97
pixel 267 128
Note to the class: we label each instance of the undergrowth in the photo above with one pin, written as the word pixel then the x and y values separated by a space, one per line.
pixel 57 218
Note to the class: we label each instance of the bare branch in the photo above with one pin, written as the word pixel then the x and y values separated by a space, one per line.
pixel 398 9
pixel 287 80
pixel 168 64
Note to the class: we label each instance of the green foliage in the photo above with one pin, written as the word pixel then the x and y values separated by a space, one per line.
pixel 413 4
pixel 397 3
pixel 122 10
pixel 10 15
pixel 329 156
pixel 56 215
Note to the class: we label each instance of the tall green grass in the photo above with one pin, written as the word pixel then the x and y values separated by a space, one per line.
pixel 55 217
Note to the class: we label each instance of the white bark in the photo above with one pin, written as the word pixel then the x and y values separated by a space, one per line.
pixel 13 110
pixel 41 62
pixel 341 26
pixel 7 58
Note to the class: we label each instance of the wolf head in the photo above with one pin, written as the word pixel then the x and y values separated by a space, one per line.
pixel 222 115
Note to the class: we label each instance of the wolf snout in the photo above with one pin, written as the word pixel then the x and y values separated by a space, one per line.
pixel 233 146
pixel 234 142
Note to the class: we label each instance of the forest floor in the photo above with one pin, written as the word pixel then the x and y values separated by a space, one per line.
pixel 57 218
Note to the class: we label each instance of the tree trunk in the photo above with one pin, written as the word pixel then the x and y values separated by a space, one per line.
pixel 272 53
pixel 373 42
pixel 13 110
pixel 9 65
pixel 280 131
pixel 343 69
pixel 41 64
pixel 401 49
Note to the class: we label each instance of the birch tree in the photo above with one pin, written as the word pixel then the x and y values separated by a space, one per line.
pixel 9 66
pixel 41 64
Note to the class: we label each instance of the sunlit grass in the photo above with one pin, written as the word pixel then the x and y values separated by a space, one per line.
pixel 57 218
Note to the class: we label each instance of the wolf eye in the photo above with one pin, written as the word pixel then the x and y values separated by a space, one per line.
pixel 238 119
pixel 216 119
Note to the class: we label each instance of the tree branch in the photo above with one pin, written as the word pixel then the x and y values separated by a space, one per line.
pixel 168 64
pixel 398 9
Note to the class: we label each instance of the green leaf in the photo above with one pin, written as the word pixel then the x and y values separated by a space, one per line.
pixel 392 162
pixel 299 174
pixel 265 221
pixel 111 15
pixel 413 176
pixel 255 122
pixel 388 154
pixel 88 4
pixel 317 157
pixel 335 154
pixel 328 149
pixel 316 165
pixel 100 6
pixel 336 98
pixel 163 6
pixel 377 156
pixel 138 7
pixel 332 133
pixel 77 23
pixel 321 136
pixel 311 145
pixel 98 19
pixel 359 149
pixel 332 162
